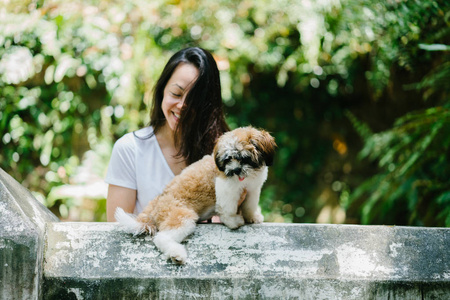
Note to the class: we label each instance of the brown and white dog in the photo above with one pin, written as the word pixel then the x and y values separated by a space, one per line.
pixel 212 185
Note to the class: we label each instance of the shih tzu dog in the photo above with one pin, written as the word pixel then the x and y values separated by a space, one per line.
pixel 212 185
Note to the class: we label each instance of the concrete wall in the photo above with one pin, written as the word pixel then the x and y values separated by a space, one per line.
pixel 22 230
pixel 268 261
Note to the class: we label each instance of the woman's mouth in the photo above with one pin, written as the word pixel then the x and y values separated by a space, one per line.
pixel 177 116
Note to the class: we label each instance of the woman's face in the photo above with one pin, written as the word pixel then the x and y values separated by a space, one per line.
pixel 175 92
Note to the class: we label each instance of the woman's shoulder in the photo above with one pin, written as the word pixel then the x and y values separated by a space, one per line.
pixel 129 140
pixel 144 133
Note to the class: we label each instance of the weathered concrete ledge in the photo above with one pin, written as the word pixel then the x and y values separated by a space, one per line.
pixel 269 261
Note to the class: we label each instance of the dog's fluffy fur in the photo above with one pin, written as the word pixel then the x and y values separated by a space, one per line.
pixel 212 185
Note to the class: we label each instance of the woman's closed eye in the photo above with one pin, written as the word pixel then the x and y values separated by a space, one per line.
pixel 176 94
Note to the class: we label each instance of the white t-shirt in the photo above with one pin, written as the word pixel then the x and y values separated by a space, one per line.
pixel 138 163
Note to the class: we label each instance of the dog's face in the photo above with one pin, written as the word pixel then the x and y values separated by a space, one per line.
pixel 243 151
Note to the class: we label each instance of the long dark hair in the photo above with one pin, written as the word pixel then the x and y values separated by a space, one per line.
pixel 202 119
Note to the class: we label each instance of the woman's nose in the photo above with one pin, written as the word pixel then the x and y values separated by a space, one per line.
pixel 181 102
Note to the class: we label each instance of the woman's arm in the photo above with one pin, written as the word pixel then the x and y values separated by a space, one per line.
pixel 119 197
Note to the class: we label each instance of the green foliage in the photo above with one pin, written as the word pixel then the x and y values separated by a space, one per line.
pixel 77 76
pixel 413 183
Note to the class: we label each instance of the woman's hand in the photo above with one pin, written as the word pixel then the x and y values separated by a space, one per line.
pixel 119 197
pixel 243 195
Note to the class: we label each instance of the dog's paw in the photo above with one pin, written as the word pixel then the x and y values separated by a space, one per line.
pixel 233 222
pixel 177 253
pixel 256 218
pixel 179 260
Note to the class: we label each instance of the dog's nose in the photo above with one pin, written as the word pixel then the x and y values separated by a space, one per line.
pixel 237 171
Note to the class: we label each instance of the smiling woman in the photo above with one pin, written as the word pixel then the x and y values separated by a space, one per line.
pixel 186 120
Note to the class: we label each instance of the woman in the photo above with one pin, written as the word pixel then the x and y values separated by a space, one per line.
pixel 186 120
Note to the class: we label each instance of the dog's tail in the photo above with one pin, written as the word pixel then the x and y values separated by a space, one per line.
pixel 131 225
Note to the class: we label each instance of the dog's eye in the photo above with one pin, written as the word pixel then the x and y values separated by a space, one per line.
pixel 248 161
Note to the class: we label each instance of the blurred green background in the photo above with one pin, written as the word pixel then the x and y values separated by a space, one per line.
pixel 356 94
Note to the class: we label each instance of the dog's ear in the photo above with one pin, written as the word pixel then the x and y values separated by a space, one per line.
pixel 265 144
pixel 219 162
